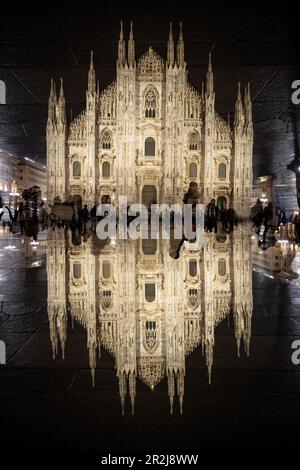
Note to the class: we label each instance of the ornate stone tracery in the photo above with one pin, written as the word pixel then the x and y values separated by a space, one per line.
pixel 149 340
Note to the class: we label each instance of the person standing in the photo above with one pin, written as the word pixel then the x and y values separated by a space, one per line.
pixel 93 215
pixel 212 216
pixel 257 215
pixel 84 217
pixel 268 219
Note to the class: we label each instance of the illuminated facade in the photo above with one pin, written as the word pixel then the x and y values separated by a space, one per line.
pixel 147 309
pixel 148 135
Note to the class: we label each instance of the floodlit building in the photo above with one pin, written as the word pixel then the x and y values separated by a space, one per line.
pixel 31 173
pixel 148 135
pixel 8 176
pixel 149 310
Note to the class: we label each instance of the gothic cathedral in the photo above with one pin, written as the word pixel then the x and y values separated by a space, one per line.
pixel 148 135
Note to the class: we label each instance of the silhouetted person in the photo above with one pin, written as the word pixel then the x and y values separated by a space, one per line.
pixel 268 219
pixel 212 216
pixel 93 215
pixel 257 215
pixel 84 217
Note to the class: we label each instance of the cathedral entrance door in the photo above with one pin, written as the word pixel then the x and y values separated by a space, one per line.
pixel 149 195
pixel 222 203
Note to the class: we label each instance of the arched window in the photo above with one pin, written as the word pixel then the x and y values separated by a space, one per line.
pixel 77 270
pixel 150 104
pixel 222 171
pixel 193 268
pixel 150 292
pixel 221 267
pixel 106 140
pixel 149 147
pixel 194 141
pixel 106 170
pixel 149 246
pixel 2 92
pixel 76 169
pixel 106 269
pixel 192 170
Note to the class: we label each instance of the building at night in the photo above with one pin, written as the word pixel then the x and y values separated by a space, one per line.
pixel 148 135
pixel 147 309
pixel 8 177
pixel 31 173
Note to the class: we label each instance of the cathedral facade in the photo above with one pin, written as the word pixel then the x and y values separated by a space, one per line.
pixel 147 309
pixel 148 135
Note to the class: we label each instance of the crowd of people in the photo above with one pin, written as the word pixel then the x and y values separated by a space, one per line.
pixel 31 215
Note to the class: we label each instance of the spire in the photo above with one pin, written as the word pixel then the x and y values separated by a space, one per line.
pixel 248 108
pixel 209 77
pixel 92 76
pixel 121 48
pixel 132 390
pixel 180 48
pixel 239 117
pixel 52 101
pixel 122 389
pixel 131 47
pixel 170 52
pixel 93 361
pixel 171 389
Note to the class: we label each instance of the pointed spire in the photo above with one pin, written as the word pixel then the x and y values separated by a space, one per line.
pixel 121 48
pixel 171 389
pixel 132 390
pixel 51 103
pixel 131 47
pixel 61 92
pixel 209 77
pixel 180 48
pixel 248 108
pixel 239 117
pixel 170 51
pixel 92 76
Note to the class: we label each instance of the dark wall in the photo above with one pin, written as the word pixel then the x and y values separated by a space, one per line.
pixel 250 44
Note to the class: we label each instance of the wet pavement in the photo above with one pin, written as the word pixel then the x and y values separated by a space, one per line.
pixel 48 404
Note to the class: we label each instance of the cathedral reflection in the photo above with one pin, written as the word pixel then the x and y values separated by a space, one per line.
pixel 146 308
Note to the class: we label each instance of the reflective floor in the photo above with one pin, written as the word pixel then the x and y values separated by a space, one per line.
pixel 113 346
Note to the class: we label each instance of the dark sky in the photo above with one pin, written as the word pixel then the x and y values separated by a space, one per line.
pixel 250 44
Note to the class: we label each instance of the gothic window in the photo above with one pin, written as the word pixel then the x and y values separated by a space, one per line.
pixel 106 170
pixel 76 169
pixel 150 104
pixel 192 170
pixel 221 171
pixel 150 336
pixel 221 267
pixel 193 268
pixel 194 141
pixel 106 269
pixel 106 140
pixel 77 270
pixel 2 92
pixel 150 292
pixel 149 147
pixel 149 246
